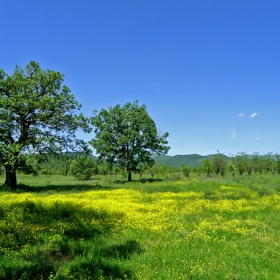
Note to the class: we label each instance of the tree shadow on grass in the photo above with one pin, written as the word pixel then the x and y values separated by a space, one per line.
pixel 149 180
pixel 122 251
pixel 61 188
pixel 45 263
pixel 60 240
pixel 105 262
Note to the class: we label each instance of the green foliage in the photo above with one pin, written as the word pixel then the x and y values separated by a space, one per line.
pixel 123 173
pixel 241 162
pixel 278 163
pixel 198 170
pixel 219 164
pixel 155 169
pixel 258 163
pixel 192 160
pixel 66 160
pixel 141 168
pixel 186 170
pixel 250 166
pixel 270 164
pixel 207 167
pixel 126 136
pixel 163 171
pixel 48 171
pixel 37 114
pixel 115 170
pixel 232 168
pixel 173 169
pixel 83 168
pixel 103 168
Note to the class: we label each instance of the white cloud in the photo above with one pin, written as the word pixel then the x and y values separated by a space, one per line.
pixel 253 115
pixel 258 138
pixel 241 115
pixel 233 133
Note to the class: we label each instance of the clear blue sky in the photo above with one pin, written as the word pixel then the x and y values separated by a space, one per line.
pixel 208 71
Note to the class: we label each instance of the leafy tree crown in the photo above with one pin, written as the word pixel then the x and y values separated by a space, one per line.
pixel 37 114
pixel 126 136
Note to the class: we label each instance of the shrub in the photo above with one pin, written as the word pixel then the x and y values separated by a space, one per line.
pixel 186 170
pixel 83 168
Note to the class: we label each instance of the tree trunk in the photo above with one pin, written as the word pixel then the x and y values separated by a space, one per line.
pixel 129 178
pixel 11 178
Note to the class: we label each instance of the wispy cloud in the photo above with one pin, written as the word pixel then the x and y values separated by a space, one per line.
pixel 233 133
pixel 258 138
pixel 241 115
pixel 253 115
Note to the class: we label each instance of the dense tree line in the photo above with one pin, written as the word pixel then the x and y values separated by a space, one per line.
pixel 85 167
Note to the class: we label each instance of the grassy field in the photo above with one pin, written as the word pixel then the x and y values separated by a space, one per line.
pixel 55 227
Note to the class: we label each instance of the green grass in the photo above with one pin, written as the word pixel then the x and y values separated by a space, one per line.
pixel 56 227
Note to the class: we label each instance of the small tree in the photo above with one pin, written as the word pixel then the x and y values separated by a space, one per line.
pixel 155 169
pixel 198 170
pixel 249 166
pixel 270 163
pixel 278 163
pixel 163 170
pixel 219 164
pixel 37 115
pixel 123 172
pixel 141 168
pixel 66 160
pixel 207 167
pixel 241 162
pixel 186 170
pixel 83 168
pixel 172 170
pixel 232 168
pixel 258 163
pixel 103 168
pixel 115 170
pixel 126 136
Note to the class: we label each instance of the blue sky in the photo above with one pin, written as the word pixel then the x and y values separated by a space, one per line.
pixel 208 71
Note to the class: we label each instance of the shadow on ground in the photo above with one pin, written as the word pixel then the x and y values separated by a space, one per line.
pixel 59 188
pixel 60 241
pixel 150 180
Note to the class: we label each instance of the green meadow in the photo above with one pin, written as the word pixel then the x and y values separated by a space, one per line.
pixel 55 227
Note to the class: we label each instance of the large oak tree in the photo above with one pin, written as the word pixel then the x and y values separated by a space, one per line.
pixel 126 136
pixel 37 115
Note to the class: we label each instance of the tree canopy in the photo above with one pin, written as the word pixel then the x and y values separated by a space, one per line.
pixel 37 114
pixel 126 136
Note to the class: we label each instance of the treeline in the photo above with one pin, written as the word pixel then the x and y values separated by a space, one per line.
pixel 84 167
pixel 239 164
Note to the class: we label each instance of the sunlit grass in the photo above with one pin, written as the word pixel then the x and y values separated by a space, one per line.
pixel 195 228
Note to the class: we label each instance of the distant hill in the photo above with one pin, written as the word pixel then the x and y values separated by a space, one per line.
pixel 178 160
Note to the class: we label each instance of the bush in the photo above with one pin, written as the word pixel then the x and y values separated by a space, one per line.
pixel 83 168
pixel 48 171
pixel 186 170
